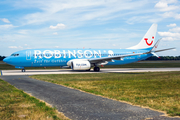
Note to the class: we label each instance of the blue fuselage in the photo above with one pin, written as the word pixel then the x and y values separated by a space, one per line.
pixel 60 57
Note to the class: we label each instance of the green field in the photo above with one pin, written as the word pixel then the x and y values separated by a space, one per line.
pixel 143 64
pixel 157 90
pixel 16 105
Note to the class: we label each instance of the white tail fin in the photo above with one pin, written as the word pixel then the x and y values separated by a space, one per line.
pixel 148 39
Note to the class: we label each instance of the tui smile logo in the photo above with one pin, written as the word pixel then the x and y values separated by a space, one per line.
pixel 149 44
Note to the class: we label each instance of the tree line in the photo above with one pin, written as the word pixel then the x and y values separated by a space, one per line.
pixel 164 58
pixel 2 57
pixel 150 58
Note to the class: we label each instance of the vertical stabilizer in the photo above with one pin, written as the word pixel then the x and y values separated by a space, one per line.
pixel 148 40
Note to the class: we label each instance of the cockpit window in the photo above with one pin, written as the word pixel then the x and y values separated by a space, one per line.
pixel 15 55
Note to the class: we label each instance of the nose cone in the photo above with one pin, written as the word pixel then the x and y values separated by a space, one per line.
pixel 6 60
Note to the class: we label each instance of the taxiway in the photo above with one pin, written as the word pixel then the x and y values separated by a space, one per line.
pixel 69 71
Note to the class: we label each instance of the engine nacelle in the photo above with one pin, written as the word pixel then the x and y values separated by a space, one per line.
pixel 79 64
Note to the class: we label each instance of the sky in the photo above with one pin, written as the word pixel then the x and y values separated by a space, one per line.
pixel 111 24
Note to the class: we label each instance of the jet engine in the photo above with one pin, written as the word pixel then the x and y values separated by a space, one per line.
pixel 79 64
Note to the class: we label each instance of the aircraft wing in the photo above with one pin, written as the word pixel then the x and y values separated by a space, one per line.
pixel 119 57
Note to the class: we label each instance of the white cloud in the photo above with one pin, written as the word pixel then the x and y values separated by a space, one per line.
pixel 171 15
pixel 7 26
pixel 172 25
pixel 58 26
pixel 23 31
pixel 55 33
pixel 168 9
pixel 15 47
pixel 177 16
pixel 114 44
pixel 168 14
pixel 169 36
pixel 5 20
pixel 171 1
pixel 163 5
pixel 176 29
pixel 20 47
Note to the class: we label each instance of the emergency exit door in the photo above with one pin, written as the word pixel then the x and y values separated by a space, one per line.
pixel 28 55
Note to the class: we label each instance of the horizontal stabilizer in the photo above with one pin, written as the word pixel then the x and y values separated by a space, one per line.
pixel 155 54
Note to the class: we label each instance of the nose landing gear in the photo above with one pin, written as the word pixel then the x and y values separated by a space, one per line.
pixel 23 70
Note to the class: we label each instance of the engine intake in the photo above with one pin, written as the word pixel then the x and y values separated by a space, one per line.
pixel 79 65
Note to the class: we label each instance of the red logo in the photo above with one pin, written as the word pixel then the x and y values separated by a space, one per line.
pixel 149 44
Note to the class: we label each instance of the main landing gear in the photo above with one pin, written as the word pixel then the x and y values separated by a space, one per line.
pixel 96 69
pixel 23 70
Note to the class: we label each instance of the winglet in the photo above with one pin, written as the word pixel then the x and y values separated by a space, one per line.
pixel 156 45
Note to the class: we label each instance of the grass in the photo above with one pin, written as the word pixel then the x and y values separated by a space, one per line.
pixel 15 105
pixel 157 90
pixel 143 64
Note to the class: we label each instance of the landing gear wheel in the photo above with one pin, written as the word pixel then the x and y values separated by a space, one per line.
pixel 23 70
pixel 96 69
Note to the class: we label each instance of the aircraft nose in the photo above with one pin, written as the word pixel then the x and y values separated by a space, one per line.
pixel 6 60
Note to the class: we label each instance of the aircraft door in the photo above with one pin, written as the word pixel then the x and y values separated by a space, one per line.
pixel 28 55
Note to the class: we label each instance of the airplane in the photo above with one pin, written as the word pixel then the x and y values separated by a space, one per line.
pixel 85 59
